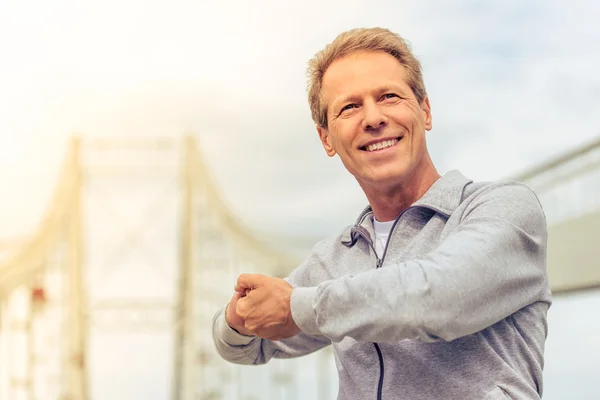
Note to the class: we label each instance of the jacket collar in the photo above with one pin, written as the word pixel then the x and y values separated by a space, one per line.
pixel 444 196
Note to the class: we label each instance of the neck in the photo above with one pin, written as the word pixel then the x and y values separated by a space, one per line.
pixel 389 202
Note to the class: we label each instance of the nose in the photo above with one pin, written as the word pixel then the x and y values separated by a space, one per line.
pixel 374 118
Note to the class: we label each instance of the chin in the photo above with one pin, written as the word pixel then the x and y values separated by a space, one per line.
pixel 386 178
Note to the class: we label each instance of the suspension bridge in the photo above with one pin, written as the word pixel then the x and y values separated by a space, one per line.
pixel 138 238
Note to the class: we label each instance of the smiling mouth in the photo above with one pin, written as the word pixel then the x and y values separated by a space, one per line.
pixel 381 145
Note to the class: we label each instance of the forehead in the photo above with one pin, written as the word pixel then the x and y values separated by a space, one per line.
pixel 358 72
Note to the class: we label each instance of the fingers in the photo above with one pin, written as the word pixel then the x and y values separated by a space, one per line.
pixel 235 302
pixel 245 306
pixel 235 298
pixel 248 282
pixel 240 307
pixel 241 291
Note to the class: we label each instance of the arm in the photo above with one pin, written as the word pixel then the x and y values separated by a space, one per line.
pixel 492 265
pixel 242 349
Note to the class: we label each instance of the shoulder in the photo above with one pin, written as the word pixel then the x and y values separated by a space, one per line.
pixel 507 191
pixel 508 200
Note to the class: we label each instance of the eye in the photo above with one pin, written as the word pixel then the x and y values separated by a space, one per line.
pixel 389 96
pixel 347 107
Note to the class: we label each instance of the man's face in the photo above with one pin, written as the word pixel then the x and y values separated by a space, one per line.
pixel 376 125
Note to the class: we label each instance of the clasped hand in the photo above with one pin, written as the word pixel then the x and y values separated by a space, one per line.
pixel 261 306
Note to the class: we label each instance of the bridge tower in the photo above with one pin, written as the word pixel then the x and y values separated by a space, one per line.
pixel 136 241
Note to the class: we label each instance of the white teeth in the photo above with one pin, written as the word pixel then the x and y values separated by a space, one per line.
pixel 381 145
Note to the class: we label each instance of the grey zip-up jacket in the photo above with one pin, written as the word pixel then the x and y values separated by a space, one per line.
pixel 455 309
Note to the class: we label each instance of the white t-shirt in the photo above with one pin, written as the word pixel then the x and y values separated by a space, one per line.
pixel 382 232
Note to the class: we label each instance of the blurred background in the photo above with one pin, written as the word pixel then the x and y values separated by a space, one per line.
pixel 150 151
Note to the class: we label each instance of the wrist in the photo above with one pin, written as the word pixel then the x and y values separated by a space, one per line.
pixel 302 311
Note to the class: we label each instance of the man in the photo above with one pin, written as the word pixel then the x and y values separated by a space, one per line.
pixel 439 290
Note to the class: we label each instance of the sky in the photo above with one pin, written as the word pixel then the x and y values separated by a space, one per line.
pixel 511 83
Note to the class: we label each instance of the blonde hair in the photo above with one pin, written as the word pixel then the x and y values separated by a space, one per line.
pixel 355 40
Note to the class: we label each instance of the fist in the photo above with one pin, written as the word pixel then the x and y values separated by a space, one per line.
pixel 233 319
pixel 265 307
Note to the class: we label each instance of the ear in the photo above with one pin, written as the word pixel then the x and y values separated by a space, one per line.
pixel 426 107
pixel 326 141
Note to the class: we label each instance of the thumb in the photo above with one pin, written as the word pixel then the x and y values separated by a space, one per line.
pixel 247 282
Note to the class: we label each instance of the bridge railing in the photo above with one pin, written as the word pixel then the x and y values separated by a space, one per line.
pixel 568 185
pixel 569 189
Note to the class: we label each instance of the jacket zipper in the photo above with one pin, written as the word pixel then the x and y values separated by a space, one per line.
pixel 379 264
pixel 381 371
pixel 377 348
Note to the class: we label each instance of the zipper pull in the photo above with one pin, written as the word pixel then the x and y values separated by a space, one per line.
pixel 378 262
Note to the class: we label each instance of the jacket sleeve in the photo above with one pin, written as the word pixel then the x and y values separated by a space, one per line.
pixel 241 349
pixel 490 266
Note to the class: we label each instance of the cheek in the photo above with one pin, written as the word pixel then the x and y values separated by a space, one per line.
pixel 407 116
pixel 343 139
